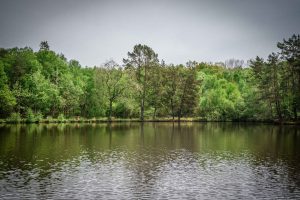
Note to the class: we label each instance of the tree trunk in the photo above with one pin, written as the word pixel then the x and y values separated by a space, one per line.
pixel 294 89
pixel 142 110
pixel 182 100
pixel 110 110
pixel 295 111
pixel 172 107
pixel 179 114
pixel 154 113
pixel 278 110
pixel 143 97
pixel 297 106
pixel 271 110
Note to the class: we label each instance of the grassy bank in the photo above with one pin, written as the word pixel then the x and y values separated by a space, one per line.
pixel 61 119
pixel 16 120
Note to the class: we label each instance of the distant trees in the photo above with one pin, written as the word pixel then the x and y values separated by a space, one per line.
pixel 232 63
pixel 44 83
pixel 44 46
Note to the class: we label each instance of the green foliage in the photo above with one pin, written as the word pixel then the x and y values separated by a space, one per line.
pixel 290 49
pixel 61 118
pixel 30 117
pixel 39 116
pixel 7 99
pixel 272 81
pixel 14 118
pixel 113 81
pixel 42 93
pixel 141 60
pixel 45 83
pixel 18 62
pixel 220 95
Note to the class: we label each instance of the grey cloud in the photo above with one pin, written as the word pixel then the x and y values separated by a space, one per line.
pixel 95 31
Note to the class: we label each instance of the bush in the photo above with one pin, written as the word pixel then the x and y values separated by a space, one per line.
pixel 61 118
pixel 39 116
pixel 30 117
pixel 14 118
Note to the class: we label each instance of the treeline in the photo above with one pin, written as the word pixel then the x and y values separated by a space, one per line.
pixel 44 84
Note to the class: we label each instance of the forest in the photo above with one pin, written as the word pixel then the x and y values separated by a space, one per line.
pixel 43 86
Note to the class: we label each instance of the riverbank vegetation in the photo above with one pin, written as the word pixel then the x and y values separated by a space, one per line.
pixel 44 86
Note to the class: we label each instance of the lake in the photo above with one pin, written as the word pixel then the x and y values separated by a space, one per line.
pixel 149 161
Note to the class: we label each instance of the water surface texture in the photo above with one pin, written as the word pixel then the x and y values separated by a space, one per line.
pixel 149 161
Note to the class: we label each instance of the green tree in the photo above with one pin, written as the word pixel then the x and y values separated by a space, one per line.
pixel 112 77
pixel 54 65
pixel 156 89
pixel 18 62
pixel 275 83
pixel 42 94
pixel 142 58
pixel 71 93
pixel 171 83
pixel 269 77
pixel 187 90
pixel 220 93
pixel 7 99
pixel 290 51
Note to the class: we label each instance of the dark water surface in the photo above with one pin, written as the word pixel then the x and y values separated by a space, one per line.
pixel 150 161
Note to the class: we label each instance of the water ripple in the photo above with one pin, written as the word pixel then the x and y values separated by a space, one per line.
pixel 178 174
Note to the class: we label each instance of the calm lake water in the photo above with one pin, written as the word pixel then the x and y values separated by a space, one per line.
pixel 149 161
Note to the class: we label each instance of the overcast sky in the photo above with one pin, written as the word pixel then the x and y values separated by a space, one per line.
pixel 94 31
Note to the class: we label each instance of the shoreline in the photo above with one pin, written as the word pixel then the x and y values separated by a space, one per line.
pixel 165 120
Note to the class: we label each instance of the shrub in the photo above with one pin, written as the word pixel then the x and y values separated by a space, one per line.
pixel 39 116
pixel 61 118
pixel 14 118
pixel 30 117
